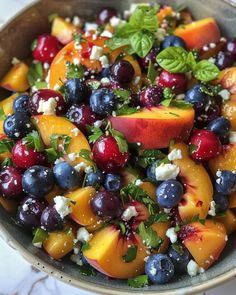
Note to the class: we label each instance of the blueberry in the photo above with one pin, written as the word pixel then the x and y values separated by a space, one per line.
pixel 103 102
pixel 196 97
pixel 50 219
pixel 105 73
pixel 225 183
pixel 94 179
pixel 20 104
pixel 179 258
pixel 38 181
pixel 173 41
pixel 17 126
pixel 66 176
pixel 112 182
pixel 76 91
pixel 159 268
pixel 220 126
pixel 224 60
pixel 169 193
pixel 122 71
pixel 222 202
pixel 151 172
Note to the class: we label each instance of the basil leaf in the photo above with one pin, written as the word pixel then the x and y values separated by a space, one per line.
pixel 34 141
pixel 142 43
pixel 125 30
pixel 174 60
pixel 152 72
pixel 160 217
pixel 206 71
pixel 149 236
pixel 131 253
pixel 120 140
pixel 122 94
pixel 138 282
pixel 144 17
pixel 117 42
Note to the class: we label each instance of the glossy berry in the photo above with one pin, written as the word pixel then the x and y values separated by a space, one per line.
pixel 151 96
pixel 105 73
pixel 106 205
pixel 180 258
pixel 38 181
pixel 17 126
pixel 76 91
pixel 10 183
pixel 44 95
pixel 29 212
pixel 122 71
pixel 220 126
pixel 103 102
pixel 105 14
pixel 50 219
pixel 45 48
pixel 177 82
pixel 209 114
pixel 20 104
pixel 159 268
pixel 95 179
pixel 25 157
pixel 173 41
pixel 222 202
pixel 66 176
pixel 112 182
pixel 107 155
pixel 226 182
pixel 208 145
pixel 150 57
pixel 224 60
pixel 197 97
pixel 169 193
pixel 81 116
pixel 151 172
pixel 231 47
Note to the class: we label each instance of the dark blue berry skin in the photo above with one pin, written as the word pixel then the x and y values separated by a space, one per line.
pixel 222 202
pixel 66 176
pixel 173 41
pixel 226 183
pixel 51 220
pixel 17 126
pixel 103 102
pixel 159 268
pixel 112 182
pixel 196 97
pixel 20 104
pixel 38 181
pixel 169 193
pixel 122 71
pixel 95 179
pixel 224 60
pixel 151 172
pixel 180 260
pixel 76 91
pixel 105 73
pixel 220 126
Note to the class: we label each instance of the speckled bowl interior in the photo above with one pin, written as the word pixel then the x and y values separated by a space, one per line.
pixel 15 40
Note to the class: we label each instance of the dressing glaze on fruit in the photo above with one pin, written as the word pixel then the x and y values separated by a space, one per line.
pixel 118 143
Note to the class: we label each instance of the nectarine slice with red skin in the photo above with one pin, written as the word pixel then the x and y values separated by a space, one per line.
pixel 227 79
pixel 161 228
pixel 199 33
pixel 205 242
pixel 197 184
pixel 229 112
pixel 155 127
pixel 229 221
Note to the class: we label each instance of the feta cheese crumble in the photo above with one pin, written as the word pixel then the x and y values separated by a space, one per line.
pixel 90 27
pixel 62 206
pixel 83 235
pixel 106 34
pixel 166 171
pixel 104 61
pixel 225 94
pixel 96 53
pixel 38 245
pixel 75 131
pixel 105 81
pixel 232 137
pixel 212 211
pixel 138 182
pixel 171 234
pixel 47 107
pixel 193 268
pixel 97 123
pixel 76 259
pixel 116 21
pixel 176 154
pixel 129 213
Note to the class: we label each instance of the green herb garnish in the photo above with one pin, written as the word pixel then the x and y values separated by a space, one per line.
pixel 138 282
pixel 34 141
pixel 131 253
pixel 149 236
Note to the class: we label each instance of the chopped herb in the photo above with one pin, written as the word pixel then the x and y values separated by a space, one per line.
pixel 177 228
pixel 178 248
pixel 122 228
pixel 41 85
pixel 152 72
pixel 40 235
pixel 52 16
pixel 87 270
pixel 2 114
pixel 94 84
pixel 85 154
pixel 35 74
pixel 96 134
pixel 149 236
pixel 52 155
pixel 123 95
pixel 147 157
pixel 181 104
pixel 7 162
pixel 34 141
pixel 211 90
pixel 131 253
pixel 126 110
pixel 120 139
pixel 157 218
pixel 168 97
pixel 86 246
pixel 192 148
pixel 138 282
pixel 65 140
pixel 78 38
pixel 6 145
pixel 74 71
pixel 174 114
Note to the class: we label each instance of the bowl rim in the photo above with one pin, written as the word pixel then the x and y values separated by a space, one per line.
pixel 49 269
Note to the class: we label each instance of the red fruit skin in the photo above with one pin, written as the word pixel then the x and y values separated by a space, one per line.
pixel 177 82
pixel 107 156
pixel 25 157
pixel 47 47
pixel 143 213
pixel 207 143
pixel 45 95
pixel 10 183
pixel 186 231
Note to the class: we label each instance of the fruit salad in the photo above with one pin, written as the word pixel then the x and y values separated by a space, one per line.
pixel 118 143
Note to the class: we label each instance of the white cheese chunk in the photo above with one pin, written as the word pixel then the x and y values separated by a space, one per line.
pixel 38 245
pixel 83 235
pixel 166 171
pixel 96 52
pixel 62 206
pixel 104 61
pixel 90 27
pixel 107 34
pixel 176 154
pixel 47 107
pixel 225 94
pixel 232 137
pixel 105 81
pixel 212 211
pixel 193 268
pixel 76 259
pixel 116 21
pixel 129 213
pixel 171 234
pixel 138 182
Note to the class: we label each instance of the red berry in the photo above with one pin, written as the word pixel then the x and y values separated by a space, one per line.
pixel 107 155
pixel 45 48
pixel 177 82
pixel 10 183
pixel 45 95
pixel 186 231
pixel 207 144
pixel 151 96
pixel 25 157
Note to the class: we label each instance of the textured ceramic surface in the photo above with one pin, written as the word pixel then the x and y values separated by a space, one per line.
pixel 15 40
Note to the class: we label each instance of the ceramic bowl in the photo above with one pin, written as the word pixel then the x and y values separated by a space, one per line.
pixel 15 40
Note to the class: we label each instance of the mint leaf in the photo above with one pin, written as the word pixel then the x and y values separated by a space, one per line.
pixel 149 236
pixel 168 95
pixel 152 72
pixel 2 114
pixel 142 43
pixel 85 154
pixel 40 235
pixel 192 148
pixel 160 217
pixel 120 140
pixel 126 110
pixel 74 71
pixel 206 71
pixel 94 84
pixel 41 85
pixel 122 227
pixel 123 95
pixel 117 42
pixel 96 134
pixel 6 145
pixel 138 282
pixel 33 140
pixel 191 61
pixel 131 253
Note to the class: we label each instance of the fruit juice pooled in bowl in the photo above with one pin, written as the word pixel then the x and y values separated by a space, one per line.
pixel 118 143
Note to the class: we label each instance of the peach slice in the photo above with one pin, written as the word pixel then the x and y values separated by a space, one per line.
pixel 56 191
pixel 227 79
pixel 164 12
pixel 48 125
pixel 16 78
pixel 160 228
pixel 199 33
pixel 232 200
pixel 229 112
pixel 229 221
pixel 150 189
pixel 205 242
pixel 197 184
pixel 155 127
pixel 9 205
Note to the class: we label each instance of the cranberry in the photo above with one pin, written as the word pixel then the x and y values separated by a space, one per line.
pixel 151 96
pixel 105 14
pixel 151 56
pixel 224 60
pixel 207 144
pixel 45 95
pixel 122 71
pixel 45 48
pixel 177 82
pixel 25 157
pixel 231 47
pixel 107 155
pixel 10 183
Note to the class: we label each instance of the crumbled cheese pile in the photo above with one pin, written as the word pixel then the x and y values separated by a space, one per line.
pixel 62 206
pixel 129 213
pixel 166 171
